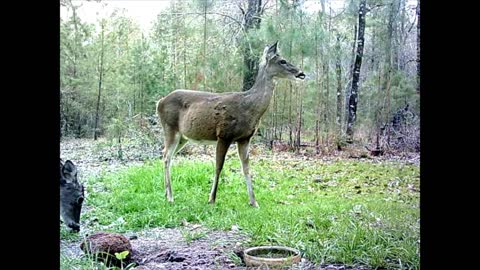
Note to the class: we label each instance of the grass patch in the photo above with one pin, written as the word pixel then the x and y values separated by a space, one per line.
pixel 350 212
pixel 87 262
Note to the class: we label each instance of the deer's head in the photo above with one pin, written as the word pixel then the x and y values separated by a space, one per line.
pixel 71 195
pixel 277 66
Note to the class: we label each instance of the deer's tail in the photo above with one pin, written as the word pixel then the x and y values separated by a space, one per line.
pixel 157 106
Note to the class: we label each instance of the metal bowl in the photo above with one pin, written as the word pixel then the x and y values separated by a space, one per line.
pixel 271 256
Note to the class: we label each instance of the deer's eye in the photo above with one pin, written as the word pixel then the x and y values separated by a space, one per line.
pixel 283 62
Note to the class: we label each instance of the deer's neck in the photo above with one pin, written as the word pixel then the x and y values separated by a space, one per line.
pixel 261 92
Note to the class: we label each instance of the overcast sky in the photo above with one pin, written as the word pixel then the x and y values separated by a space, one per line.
pixel 145 12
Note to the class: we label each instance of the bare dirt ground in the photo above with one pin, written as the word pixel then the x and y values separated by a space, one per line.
pixel 168 248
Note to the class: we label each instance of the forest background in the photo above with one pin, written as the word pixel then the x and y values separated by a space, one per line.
pixel 361 58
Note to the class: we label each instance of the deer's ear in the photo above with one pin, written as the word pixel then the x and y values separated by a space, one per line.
pixel 69 169
pixel 273 48
pixel 271 51
pixel 80 200
pixel 61 167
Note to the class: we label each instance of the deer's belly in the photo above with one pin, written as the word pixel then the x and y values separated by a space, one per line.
pixel 202 134
pixel 206 128
pixel 197 126
pixel 203 142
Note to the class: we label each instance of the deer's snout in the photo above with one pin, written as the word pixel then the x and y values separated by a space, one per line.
pixel 300 75
pixel 74 226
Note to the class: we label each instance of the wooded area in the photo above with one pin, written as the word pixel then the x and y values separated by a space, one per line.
pixel 361 60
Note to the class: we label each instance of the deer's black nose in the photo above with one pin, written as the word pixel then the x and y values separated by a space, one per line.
pixel 74 226
pixel 300 75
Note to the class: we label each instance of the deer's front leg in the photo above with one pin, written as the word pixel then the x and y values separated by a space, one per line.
pixel 243 154
pixel 221 151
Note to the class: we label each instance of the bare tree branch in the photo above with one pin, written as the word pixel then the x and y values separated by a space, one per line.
pixel 209 13
pixel 263 8
pixel 413 23
pixel 242 10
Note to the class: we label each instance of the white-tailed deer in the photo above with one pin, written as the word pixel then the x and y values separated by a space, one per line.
pixel 221 118
pixel 71 195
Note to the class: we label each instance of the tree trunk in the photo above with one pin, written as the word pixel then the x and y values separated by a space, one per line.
pixel 185 60
pixel 63 115
pixel 300 97
pixel 251 20
pixel 100 77
pixel 141 100
pixel 64 98
pixel 353 100
pixel 134 88
pixel 79 125
pixel 283 114
pixel 389 60
pixel 275 112
pixel 317 115
pixel 119 151
pixel 418 47
pixel 338 69
pixel 396 10
pixel 299 126
pixel 290 129
pixel 350 73
pixel 382 111
pixel 204 45
pixel 76 43
pixel 372 61
pixel 402 37
pixel 290 121
pixel 174 45
pixel 327 120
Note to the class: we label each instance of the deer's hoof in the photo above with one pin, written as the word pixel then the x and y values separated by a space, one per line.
pixel 210 201
pixel 255 204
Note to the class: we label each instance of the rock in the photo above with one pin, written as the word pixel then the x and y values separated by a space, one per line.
pixel 131 236
pixel 102 246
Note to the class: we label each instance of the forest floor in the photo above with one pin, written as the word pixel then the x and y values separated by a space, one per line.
pixel 93 158
pixel 191 246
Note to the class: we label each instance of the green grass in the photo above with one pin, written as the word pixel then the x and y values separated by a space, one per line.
pixel 359 212
pixel 88 262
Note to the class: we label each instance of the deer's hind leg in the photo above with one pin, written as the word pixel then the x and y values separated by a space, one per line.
pixel 221 151
pixel 172 142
